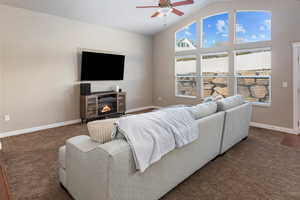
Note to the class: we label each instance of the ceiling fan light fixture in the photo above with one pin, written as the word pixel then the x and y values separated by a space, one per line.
pixel 165 7
pixel 164 11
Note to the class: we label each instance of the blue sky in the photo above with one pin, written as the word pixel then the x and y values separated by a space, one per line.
pixel 215 30
pixel 187 32
pixel 250 27
pixel 247 31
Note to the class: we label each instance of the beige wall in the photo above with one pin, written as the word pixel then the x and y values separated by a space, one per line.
pixel 39 66
pixel 285 30
pixel 1 85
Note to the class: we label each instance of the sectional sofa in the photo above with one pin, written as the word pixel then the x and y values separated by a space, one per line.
pixel 93 171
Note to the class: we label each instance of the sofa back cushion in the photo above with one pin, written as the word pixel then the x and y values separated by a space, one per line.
pixel 230 102
pixel 203 110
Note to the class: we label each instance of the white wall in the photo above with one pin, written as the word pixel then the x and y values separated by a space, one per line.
pixel 285 30
pixel 40 66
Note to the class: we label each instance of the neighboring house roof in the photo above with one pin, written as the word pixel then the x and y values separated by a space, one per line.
pixel 185 44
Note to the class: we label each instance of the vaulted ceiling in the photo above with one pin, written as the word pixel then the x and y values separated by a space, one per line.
pixel 113 13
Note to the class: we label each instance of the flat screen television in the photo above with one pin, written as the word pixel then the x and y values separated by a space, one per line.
pixel 102 67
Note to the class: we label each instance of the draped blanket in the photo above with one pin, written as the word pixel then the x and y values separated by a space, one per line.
pixel 153 135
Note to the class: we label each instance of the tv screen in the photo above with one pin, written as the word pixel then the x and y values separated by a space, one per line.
pixel 101 66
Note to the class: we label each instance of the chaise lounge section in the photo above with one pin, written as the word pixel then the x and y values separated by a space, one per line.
pixel 94 171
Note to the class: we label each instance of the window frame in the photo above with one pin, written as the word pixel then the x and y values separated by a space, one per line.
pixel 235 23
pixel 197 36
pixel 202 28
pixel 268 104
pixel 186 76
pixel 202 77
pixel 230 49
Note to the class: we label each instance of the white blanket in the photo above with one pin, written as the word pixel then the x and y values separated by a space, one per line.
pixel 154 134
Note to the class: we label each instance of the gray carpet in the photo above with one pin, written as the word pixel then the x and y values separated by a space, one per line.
pixel 258 168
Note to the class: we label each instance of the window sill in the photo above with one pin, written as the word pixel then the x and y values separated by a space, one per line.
pixel 185 96
pixel 267 105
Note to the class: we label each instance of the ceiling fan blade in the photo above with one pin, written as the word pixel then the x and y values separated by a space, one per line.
pixel 182 3
pixel 177 12
pixel 155 14
pixel 147 7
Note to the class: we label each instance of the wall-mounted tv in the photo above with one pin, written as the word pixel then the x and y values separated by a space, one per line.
pixel 102 66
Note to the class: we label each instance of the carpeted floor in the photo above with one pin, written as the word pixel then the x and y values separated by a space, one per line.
pixel 258 168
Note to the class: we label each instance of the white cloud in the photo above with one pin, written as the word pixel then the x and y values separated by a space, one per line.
pixel 209 25
pixel 268 24
pixel 222 27
pixel 242 40
pixel 254 37
pixel 224 35
pixel 240 28
pixel 214 41
pixel 188 33
pixel 263 36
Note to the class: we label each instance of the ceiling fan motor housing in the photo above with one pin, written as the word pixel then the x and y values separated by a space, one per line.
pixel 164 4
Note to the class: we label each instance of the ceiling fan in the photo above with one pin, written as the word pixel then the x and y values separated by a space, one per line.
pixel 166 7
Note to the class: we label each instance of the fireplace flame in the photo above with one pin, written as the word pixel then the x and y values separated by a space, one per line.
pixel 105 109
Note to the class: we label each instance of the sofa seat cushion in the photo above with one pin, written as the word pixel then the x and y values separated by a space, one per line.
pixel 230 102
pixel 203 110
pixel 101 130
pixel 62 157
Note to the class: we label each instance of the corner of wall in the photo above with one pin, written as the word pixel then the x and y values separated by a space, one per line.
pixel 1 87
pixel 152 69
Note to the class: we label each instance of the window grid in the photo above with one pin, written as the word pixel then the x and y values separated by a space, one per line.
pixel 187 77
pixel 231 49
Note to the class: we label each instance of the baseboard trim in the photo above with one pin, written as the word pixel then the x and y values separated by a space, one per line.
pixel 38 128
pixel 274 128
pixel 141 109
pixel 59 124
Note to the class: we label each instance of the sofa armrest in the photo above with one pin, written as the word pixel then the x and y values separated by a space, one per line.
pixel 236 126
pixel 88 167
pixel 82 143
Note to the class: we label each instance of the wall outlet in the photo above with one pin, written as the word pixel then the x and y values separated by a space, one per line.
pixel 284 84
pixel 6 118
pixel 159 98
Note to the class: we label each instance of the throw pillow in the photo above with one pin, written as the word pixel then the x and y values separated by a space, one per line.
pixel 203 110
pixel 101 130
pixel 230 102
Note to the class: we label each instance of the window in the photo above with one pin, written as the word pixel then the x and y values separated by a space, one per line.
pixel 253 26
pixel 253 68
pixel 186 38
pixel 215 68
pixel 215 31
pixel 223 64
pixel 185 74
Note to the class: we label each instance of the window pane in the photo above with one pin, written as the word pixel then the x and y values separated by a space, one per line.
pixel 215 31
pixel 186 38
pixel 253 63
pixel 254 89
pixel 185 66
pixel 215 86
pixel 253 26
pixel 213 65
pixel 186 86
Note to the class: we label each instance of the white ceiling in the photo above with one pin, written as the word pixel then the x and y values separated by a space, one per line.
pixel 113 13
